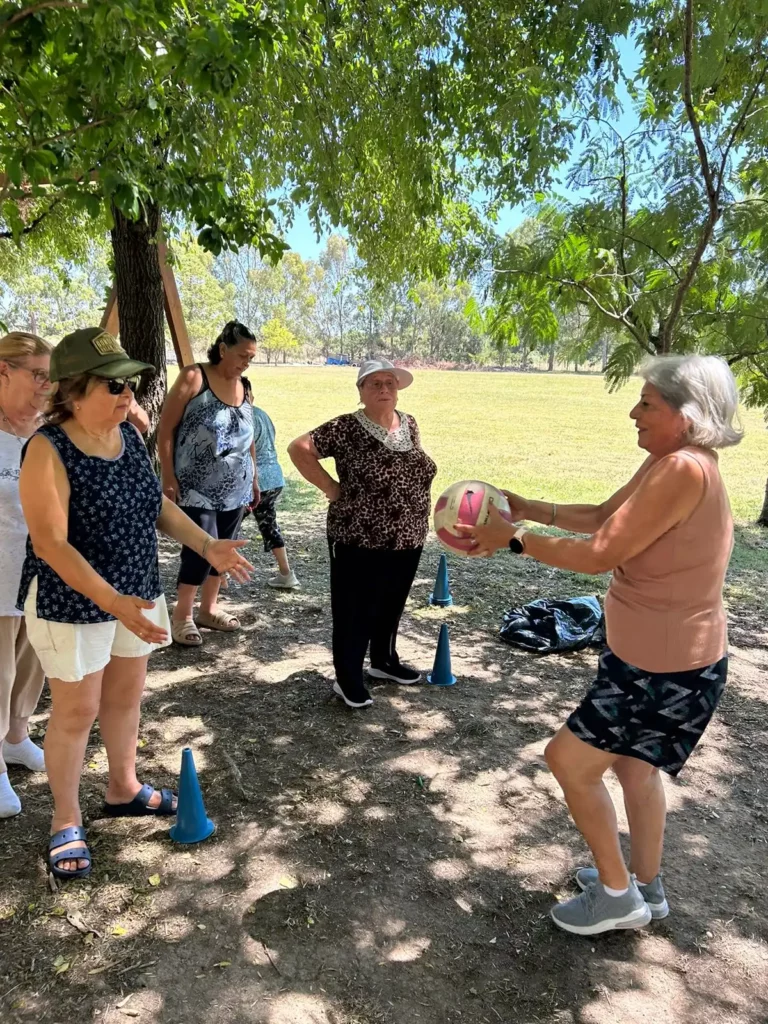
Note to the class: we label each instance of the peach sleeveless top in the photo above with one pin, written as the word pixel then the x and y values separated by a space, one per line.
pixel 664 608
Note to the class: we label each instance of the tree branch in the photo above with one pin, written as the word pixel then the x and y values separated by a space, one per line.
pixel 740 123
pixel 618 318
pixel 672 267
pixel 84 127
pixel 745 355
pixel 28 228
pixel 713 192
pixel 624 202
pixel 690 110
pixel 27 12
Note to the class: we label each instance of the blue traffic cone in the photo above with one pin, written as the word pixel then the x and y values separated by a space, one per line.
pixel 192 823
pixel 441 671
pixel 441 595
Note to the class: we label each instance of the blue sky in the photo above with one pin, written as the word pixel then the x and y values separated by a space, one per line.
pixel 301 237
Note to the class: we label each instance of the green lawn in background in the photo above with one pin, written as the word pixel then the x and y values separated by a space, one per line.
pixel 561 437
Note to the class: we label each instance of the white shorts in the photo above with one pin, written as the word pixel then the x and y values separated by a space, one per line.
pixel 72 650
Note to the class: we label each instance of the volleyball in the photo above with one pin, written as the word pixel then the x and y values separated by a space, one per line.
pixel 466 503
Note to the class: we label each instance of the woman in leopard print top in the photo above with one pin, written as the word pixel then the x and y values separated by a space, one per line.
pixel 378 520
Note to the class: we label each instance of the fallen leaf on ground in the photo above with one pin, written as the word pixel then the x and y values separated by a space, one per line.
pixel 75 918
pixel 61 964
pixel 154 879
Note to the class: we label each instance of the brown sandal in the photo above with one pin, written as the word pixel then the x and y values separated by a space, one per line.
pixel 221 621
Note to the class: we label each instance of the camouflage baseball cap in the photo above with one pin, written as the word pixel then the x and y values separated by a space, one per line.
pixel 92 350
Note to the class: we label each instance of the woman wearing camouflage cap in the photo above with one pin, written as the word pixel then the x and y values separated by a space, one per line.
pixel 90 587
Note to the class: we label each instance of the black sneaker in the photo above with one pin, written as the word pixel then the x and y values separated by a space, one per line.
pixel 360 699
pixel 397 673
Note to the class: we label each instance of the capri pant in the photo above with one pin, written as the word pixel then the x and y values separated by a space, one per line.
pixel 265 515
pixel 194 569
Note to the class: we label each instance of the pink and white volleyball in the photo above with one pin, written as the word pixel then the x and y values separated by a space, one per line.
pixel 466 503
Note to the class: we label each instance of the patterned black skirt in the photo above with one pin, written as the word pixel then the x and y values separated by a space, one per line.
pixel 658 717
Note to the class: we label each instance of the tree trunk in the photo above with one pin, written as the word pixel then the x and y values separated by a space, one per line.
pixel 762 519
pixel 551 363
pixel 141 306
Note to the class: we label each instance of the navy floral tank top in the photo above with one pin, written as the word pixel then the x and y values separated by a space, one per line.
pixel 114 505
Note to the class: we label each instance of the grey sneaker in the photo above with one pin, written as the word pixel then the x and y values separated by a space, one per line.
pixel 280 582
pixel 653 893
pixel 595 911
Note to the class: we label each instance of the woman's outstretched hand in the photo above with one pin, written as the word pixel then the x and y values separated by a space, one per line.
pixel 518 506
pixel 224 556
pixel 128 610
pixel 488 539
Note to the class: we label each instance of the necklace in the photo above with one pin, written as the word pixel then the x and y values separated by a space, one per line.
pixel 21 440
pixel 93 435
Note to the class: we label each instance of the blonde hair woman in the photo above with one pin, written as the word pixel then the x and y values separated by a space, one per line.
pixel 24 388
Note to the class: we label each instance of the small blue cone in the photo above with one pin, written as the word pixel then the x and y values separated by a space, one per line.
pixel 441 671
pixel 441 595
pixel 192 823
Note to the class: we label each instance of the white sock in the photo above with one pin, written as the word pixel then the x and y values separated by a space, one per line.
pixel 25 753
pixel 10 805
pixel 615 892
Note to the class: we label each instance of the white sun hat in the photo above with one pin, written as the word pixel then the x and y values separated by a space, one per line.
pixel 403 377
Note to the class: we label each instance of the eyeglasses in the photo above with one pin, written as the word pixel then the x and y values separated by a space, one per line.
pixel 40 377
pixel 117 385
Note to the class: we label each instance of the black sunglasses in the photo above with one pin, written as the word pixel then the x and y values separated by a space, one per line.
pixel 117 385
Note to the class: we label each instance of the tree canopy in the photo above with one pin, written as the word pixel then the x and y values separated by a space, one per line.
pixel 662 237
pixel 383 117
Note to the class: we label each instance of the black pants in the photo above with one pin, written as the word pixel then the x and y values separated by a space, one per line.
pixel 369 588
pixel 221 526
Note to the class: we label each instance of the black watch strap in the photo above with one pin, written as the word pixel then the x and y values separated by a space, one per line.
pixel 516 545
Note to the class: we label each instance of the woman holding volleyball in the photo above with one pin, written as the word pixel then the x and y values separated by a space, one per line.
pixel 378 520
pixel 667 537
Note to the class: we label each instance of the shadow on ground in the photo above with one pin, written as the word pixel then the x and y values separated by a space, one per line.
pixel 394 865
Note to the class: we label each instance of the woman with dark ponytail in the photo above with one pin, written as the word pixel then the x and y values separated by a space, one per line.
pixel 207 459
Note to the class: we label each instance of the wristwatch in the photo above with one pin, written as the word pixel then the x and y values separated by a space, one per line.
pixel 516 545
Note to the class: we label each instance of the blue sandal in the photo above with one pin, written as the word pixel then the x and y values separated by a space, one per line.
pixel 61 838
pixel 139 806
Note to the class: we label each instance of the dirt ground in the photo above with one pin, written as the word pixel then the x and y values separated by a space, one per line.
pixel 392 865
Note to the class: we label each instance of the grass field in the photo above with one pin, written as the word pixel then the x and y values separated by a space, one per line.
pixel 560 437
